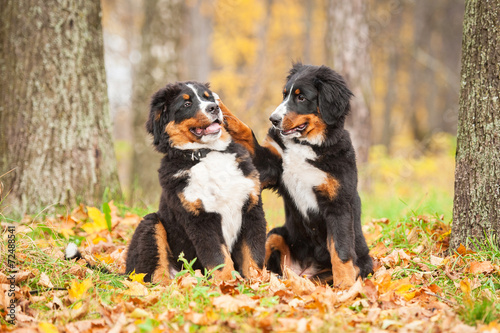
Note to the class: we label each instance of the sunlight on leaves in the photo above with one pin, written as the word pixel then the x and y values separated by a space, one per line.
pixel 78 290
pixel 98 221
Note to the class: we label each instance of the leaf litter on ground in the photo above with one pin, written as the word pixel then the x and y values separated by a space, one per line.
pixel 417 285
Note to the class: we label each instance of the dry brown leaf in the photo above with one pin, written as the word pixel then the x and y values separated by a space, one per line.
pixel 379 250
pixel 135 288
pixel 462 250
pixel 352 293
pixel 233 304
pixel 326 296
pixel 484 267
pixel 23 276
pixel 292 325
pixel 122 321
pixel 45 281
pixel 299 285
pixel 436 261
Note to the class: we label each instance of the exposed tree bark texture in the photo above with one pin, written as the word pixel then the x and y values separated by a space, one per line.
pixel 196 40
pixel 347 40
pixel 55 129
pixel 476 212
pixel 159 65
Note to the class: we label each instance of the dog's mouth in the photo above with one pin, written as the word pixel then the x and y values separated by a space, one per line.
pixel 213 128
pixel 296 129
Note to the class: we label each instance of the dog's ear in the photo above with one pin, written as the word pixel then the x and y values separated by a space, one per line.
pixel 333 95
pixel 296 66
pixel 158 112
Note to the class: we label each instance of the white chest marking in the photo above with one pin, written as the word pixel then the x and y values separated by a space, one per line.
pixel 222 188
pixel 300 177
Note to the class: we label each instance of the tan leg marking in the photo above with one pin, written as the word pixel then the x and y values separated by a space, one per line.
pixel 276 242
pixel 162 272
pixel 238 130
pixel 249 267
pixel 192 207
pixel 329 188
pixel 225 272
pixel 344 274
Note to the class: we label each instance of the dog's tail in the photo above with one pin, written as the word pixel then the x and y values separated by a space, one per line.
pixel 72 252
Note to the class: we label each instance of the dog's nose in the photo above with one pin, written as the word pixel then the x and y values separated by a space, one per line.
pixel 275 119
pixel 212 108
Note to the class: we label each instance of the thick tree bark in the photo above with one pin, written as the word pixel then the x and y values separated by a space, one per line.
pixel 55 129
pixel 476 212
pixel 159 65
pixel 347 40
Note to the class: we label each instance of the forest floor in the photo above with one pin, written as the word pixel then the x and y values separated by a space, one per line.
pixel 418 284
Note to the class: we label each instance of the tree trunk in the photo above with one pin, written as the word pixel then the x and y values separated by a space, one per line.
pixel 347 40
pixel 55 129
pixel 476 212
pixel 158 66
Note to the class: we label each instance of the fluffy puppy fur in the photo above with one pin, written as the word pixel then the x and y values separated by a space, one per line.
pixel 308 158
pixel 210 206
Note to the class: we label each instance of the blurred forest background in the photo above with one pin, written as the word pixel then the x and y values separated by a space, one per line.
pixel 406 59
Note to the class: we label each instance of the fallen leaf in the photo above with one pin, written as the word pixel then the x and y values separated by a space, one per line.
pixel 137 277
pixel 462 250
pixel 480 267
pixel 45 327
pixel 78 290
pixel 299 285
pixel 45 281
pixel 352 293
pixel 140 313
pixel 135 288
pixel 233 304
pixel 436 261
pixel 98 221
pixel 23 276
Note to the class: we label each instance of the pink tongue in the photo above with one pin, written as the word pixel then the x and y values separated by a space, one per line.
pixel 214 128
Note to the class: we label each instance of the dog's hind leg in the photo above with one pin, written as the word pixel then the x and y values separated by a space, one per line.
pixel 363 261
pixel 149 252
pixel 277 251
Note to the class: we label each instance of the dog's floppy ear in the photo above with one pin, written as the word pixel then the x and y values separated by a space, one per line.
pixel 158 113
pixel 333 95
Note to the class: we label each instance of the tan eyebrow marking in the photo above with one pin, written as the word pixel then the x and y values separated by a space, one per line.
pixel 284 90
pixel 185 96
pixel 297 91
pixel 206 94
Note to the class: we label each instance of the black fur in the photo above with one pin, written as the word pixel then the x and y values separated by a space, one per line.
pixel 197 234
pixel 324 94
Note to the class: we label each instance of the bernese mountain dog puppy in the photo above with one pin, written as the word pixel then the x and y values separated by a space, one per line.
pixel 308 158
pixel 210 206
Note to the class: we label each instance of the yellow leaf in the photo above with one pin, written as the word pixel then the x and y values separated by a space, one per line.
pixel 137 277
pixel 78 290
pixel 140 313
pixel 99 239
pixel 45 327
pixel 105 258
pixel 66 232
pixel 99 221
pixel 135 288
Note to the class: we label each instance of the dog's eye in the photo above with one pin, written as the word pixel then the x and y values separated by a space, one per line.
pixel 187 104
pixel 301 98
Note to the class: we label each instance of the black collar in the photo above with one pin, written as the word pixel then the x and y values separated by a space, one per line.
pixel 193 155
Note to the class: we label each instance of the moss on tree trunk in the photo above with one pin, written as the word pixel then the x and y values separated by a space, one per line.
pixel 55 128
pixel 476 212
